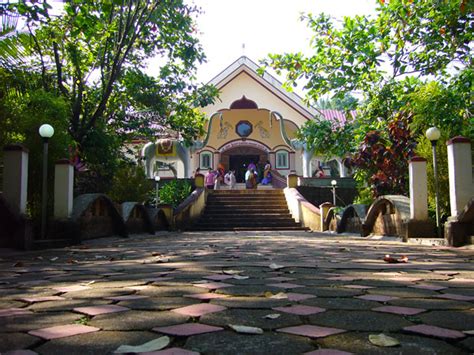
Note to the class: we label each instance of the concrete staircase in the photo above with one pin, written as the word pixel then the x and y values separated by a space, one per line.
pixel 252 210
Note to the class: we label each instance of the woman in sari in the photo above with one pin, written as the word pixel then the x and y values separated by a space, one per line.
pixel 267 175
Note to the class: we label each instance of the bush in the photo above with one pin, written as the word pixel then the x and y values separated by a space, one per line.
pixel 130 184
pixel 175 192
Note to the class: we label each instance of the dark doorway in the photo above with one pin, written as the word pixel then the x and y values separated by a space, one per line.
pixel 239 163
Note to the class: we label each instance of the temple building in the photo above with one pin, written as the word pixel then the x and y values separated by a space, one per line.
pixel 254 121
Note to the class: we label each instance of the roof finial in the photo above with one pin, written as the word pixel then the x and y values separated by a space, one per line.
pixel 243 49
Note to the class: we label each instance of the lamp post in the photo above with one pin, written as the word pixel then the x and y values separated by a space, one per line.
pixel 433 135
pixel 46 131
pixel 334 184
pixel 157 183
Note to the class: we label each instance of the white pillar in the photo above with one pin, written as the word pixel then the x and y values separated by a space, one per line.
pixel 418 189
pixel 342 168
pixel 63 189
pixel 15 176
pixel 307 155
pixel 460 173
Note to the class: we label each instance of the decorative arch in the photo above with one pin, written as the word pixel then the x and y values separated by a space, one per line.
pixel 352 219
pixel 244 143
pixel 243 103
pixel 388 215
pixel 97 216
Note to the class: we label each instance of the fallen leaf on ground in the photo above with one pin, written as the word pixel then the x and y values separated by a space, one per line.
pixel 232 272
pixel 391 260
pixel 272 316
pixel 18 264
pixel 238 277
pixel 54 259
pixel 153 345
pixel 278 296
pixel 468 332
pixel 245 329
pixel 87 283
pixel 274 266
pixel 383 340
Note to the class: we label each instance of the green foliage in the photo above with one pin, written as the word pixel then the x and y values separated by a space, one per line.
pixel 424 149
pixel 175 192
pixel 419 36
pixel 385 158
pixel 325 138
pixel 130 184
pixel 346 103
pixel 389 58
pixel 93 56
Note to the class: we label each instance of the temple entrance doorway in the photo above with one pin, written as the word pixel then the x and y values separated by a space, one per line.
pixel 238 159
pixel 239 163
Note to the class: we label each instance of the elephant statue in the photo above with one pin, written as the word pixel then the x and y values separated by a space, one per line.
pixel 295 144
pixel 172 150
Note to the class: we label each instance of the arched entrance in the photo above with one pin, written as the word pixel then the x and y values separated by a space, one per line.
pixel 237 155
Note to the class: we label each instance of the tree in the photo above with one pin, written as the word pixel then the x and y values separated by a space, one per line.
pixel 94 53
pixel 389 58
pixel 407 37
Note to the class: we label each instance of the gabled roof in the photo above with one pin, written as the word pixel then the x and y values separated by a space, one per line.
pixel 244 64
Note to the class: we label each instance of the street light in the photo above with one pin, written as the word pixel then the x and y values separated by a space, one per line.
pixel 46 131
pixel 334 184
pixel 157 181
pixel 433 135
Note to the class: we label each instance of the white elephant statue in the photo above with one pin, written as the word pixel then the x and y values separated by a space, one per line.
pixel 167 151
pixel 172 150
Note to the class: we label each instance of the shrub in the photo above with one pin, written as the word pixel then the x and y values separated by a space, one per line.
pixel 175 192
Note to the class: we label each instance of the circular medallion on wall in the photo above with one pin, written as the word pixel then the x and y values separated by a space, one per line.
pixel 243 129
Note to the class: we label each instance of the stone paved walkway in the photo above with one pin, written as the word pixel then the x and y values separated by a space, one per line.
pixel 310 293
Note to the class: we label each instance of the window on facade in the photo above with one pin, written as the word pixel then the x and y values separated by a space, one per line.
pixel 205 160
pixel 282 160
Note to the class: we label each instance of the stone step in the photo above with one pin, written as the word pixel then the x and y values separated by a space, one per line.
pixel 246 223
pixel 252 209
pixel 249 229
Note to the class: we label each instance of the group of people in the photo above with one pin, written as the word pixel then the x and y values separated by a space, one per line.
pixel 251 176
pixel 215 178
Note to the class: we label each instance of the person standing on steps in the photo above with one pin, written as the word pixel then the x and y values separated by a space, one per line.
pixel 250 178
pixel 210 179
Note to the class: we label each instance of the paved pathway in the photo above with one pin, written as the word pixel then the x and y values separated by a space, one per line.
pixel 307 292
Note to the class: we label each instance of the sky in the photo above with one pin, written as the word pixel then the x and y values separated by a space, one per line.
pixel 263 26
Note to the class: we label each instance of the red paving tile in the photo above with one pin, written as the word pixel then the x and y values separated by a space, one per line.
pixel 378 298
pixel 125 298
pixel 212 285
pixel 205 296
pixel 406 311
pixel 197 310
pixel 296 297
pixel 62 331
pixel 300 310
pixel 434 331
pixel 311 331
pixel 42 299
pixel 9 312
pixel 96 310
pixel 187 329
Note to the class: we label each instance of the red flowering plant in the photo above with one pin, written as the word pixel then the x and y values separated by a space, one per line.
pixel 384 157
